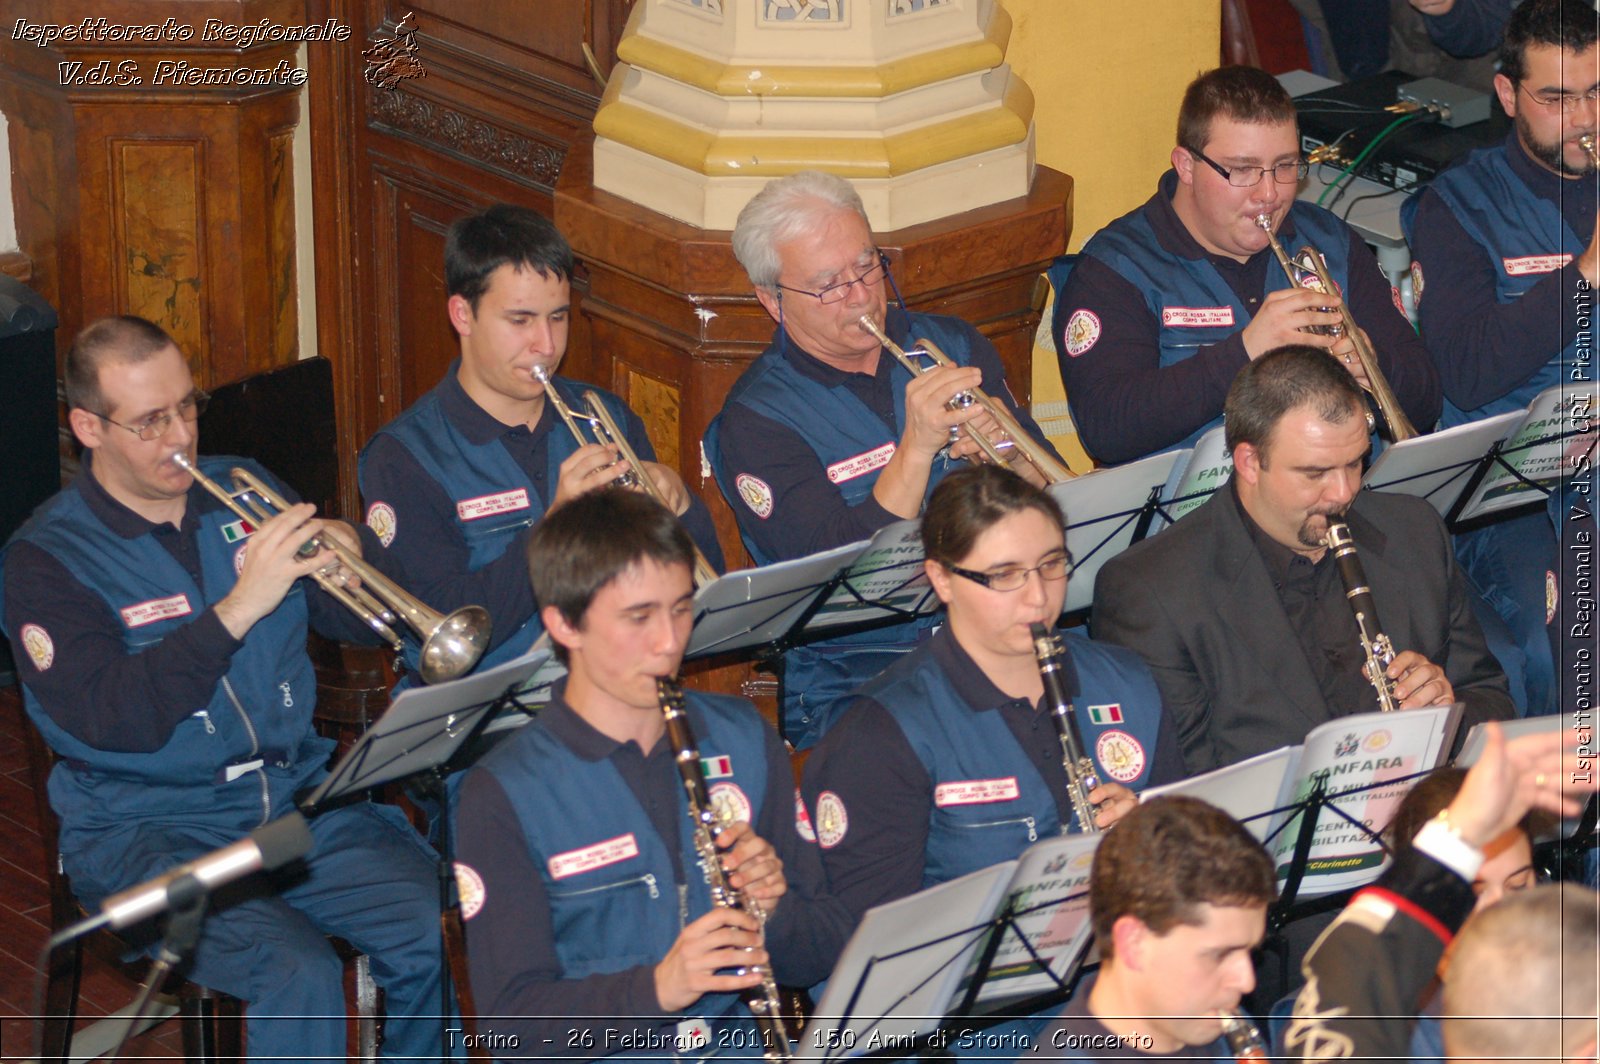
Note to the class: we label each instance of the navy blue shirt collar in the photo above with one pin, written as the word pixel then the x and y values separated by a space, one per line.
pixel 124 521
pixel 473 421
pixel 1542 182
pixel 828 376
pixel 975 690
pixel 581 737
pixel 1175 237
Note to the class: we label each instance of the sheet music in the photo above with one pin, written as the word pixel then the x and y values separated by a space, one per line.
pixel 1559 430
pixel 1102 510
pixel 1438 466
pixel 1209 467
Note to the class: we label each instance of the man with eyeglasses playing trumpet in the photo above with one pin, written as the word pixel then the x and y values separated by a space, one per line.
pixel 1507 245
pixel 1168 302
pixel 165 663
pixel 826 438
pixel 454 485
pixel 950 761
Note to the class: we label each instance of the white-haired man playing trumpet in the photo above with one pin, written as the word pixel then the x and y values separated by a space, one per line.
pixel 164 660
pixel 826 438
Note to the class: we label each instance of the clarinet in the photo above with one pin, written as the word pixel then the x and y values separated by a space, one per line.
pixel 1375 645
pixel 1244 1037
pixel 1081 775
pixel 762 1000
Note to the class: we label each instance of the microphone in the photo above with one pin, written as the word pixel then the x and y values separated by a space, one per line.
pixel 267 847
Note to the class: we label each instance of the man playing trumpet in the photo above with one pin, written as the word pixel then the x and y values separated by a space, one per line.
pixel 1168 302
pixel 165 663
pixel 454 485
pixel 826 438
pixel 1508 249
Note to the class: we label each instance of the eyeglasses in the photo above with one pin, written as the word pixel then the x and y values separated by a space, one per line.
pixel 1567 101
pixel 1014 577
pixel 155 426
pixel 1250 176
pixel 833 293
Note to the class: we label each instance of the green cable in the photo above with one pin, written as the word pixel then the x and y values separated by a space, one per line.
pixel 1373 143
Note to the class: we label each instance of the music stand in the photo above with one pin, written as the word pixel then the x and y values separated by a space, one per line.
pixel 1208 467
pixel 1440 468
pixel 1107 511
pixel 426 734
pixel 846 589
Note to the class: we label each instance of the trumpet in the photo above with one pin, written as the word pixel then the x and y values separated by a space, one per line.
pixel 1052 471
pixel 1376 646
pixel 1081 775
pixel 451 645
pixel 606 433
pixel 1586 142
pixel 1400 427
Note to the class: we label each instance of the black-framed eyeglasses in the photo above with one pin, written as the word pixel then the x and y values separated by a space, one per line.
pixel 1284 173
pixel 1566 101
pixel 833 293
pixel 1012 578
pixel 155 426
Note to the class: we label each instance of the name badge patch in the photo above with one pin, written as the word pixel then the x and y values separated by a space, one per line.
pixel 589 858
pixel 1521 267
pixel 489 505
pixel 865 462
pixel 975 792
pixel 155 610
pixel 1196 317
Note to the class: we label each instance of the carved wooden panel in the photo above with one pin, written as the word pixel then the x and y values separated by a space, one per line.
pixel 157 239
pixel 656 403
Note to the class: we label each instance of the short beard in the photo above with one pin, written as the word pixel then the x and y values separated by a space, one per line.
pixel 1309 538
pixel 1549 154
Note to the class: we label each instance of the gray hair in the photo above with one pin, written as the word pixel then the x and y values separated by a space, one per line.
pixel 782 211
pixel 1521 981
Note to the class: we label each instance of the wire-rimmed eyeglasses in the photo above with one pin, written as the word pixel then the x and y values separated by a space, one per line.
pixel 152 428
pixel 833 293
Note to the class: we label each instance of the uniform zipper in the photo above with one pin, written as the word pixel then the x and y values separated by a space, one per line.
pixel 255 748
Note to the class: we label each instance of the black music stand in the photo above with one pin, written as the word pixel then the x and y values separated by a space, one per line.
pixel 1107 511
pixel 427 734
pixel 846 589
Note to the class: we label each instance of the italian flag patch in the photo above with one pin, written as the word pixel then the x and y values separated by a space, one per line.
pixel 234 531
pixel 1111 714
pixel 716 768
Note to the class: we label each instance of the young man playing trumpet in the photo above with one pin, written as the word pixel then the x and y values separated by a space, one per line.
pixel 827 438
pixel 949 761
pixel 1168 302
pixel 454 485
pixel 590 922
pixel 165 663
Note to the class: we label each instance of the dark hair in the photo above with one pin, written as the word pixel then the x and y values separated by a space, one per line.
pixel 583 545
pixel 969 501
pixel 1282 380
pixel 502 235
pixel 122 339
pixel 1568 24
pixel 1242 93
pixel 1424 801
pixel 1166 858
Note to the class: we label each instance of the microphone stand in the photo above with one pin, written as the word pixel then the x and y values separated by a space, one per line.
pixel 186 911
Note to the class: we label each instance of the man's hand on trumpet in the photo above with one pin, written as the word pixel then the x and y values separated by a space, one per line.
pixel 272 563
pixel 1345 351
pixel 591 466
pixel 1284 318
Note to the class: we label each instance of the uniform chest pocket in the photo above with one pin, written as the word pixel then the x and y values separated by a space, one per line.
pixel 999 823
pixel 492 534
pixel 605 926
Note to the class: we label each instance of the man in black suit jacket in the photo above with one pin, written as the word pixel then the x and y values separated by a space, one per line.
pixel 1238 609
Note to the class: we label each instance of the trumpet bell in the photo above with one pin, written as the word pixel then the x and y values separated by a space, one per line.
pixel 455 644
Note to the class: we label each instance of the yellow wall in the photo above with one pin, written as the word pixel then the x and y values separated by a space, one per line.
pixel 1107 77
